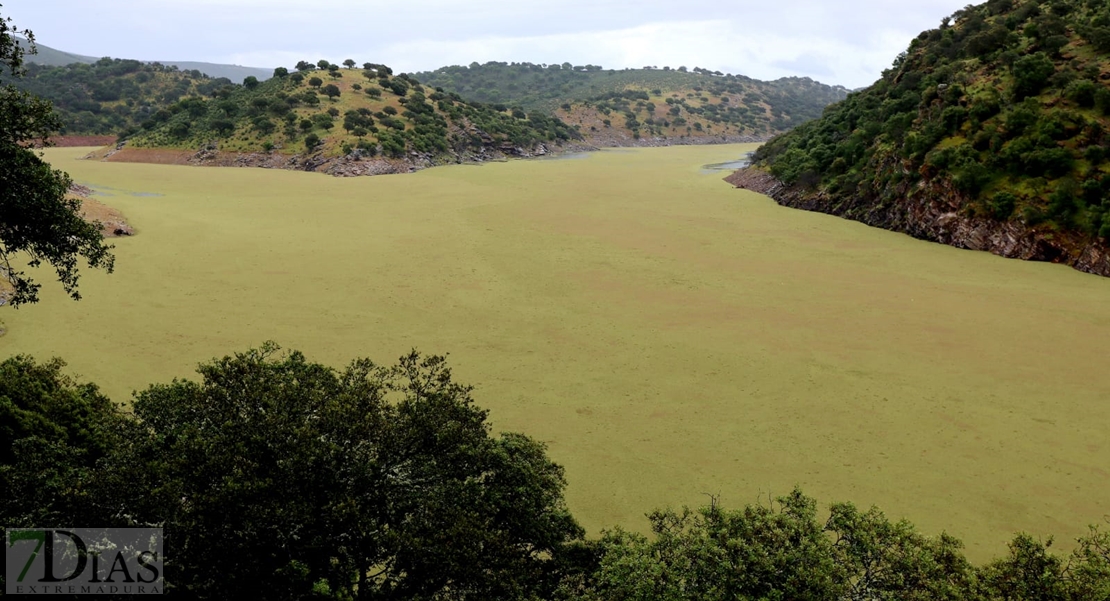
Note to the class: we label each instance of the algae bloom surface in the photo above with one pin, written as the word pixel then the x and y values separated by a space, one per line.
pixel 665 334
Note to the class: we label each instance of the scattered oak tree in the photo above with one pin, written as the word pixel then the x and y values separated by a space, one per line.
pixel 38 223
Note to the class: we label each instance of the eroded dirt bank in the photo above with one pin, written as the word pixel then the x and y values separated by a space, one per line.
pixel 112 224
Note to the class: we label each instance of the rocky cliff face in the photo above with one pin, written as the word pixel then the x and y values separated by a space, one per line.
pixel 933 212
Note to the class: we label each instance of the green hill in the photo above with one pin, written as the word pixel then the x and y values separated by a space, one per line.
pixel 988 133
pixel 112 96
pixel 51 57
pixel 336 112
pixel 45 55
pixel 632 104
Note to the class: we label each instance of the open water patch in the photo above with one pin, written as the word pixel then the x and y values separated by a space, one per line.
pixel 727 166
pixel 108 191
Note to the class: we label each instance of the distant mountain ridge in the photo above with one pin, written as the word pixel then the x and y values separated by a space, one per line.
pixel 58 58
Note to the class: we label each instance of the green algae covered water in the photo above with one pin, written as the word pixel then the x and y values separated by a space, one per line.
pixel 666 335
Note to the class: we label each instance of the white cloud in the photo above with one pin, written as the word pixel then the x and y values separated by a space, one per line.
pixel 848 43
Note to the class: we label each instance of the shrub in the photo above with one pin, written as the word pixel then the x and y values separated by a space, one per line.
pixel 1002 205
pixel 1031 73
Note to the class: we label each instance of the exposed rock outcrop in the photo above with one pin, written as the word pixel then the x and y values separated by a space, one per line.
pixel 931 212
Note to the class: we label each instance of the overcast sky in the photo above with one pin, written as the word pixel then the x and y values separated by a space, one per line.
pixel 834 41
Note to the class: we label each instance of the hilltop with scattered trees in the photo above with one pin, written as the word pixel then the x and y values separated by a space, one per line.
pixel 990 132
pixel 331 111
pixel 113 96
pixel 625 106
pixel 454 113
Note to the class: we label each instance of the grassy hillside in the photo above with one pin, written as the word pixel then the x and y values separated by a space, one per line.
pixel 636 103
pixel 52 57
pixel 1000 114
pixel 113 96
pixel 335 111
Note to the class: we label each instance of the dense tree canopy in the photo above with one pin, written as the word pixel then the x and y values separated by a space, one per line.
pixel 278 478
pixel 378 482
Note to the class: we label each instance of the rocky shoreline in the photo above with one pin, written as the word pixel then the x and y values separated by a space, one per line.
pixel 355 164
pixel 628 141
pixel 931 213
pixel 112 222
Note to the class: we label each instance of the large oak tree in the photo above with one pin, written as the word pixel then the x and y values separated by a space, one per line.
pixel 38 223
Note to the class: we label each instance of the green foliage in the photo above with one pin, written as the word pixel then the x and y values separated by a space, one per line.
pixel 38 223
pixel 1002 205
pixel 275 477
pixel 1003 118
pixel 53 434
pixel 435 124
pixel 545 88
pixel 278 478
pixel 112 96
pixel 1031 74
pixel 781 551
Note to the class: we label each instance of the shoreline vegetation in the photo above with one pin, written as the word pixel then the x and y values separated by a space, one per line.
pixel 939 218
pixel 991 132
